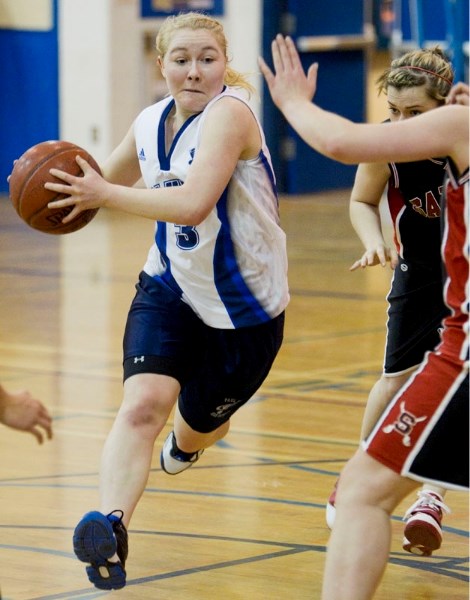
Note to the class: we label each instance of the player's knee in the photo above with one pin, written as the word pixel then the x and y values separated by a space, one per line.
pixel 147 409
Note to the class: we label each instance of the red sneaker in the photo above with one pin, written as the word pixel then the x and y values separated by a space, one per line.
pixel 423 533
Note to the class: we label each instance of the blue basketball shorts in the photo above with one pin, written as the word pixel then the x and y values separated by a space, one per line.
pixel 218 370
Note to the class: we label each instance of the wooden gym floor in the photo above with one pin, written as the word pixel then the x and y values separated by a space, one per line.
pixel 245 523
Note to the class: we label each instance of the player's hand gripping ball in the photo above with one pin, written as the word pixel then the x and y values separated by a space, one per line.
pixel 30 198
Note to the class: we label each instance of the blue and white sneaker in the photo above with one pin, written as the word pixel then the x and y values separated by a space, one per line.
pixel 96 539
pixel 173 460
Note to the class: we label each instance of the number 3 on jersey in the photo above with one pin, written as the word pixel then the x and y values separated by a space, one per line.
pixel 187 237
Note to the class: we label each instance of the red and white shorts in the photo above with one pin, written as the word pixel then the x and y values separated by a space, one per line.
pixel 424 432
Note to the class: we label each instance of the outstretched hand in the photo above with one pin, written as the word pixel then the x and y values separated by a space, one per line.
pixel 19 410
pixel 84 192
pixel 288 83
pixel 376 256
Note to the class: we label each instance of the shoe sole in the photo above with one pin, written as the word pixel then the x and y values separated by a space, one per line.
pixel 94 543
pixel 422 535
pixel 93 539
pixel 178 466
pixel 110 576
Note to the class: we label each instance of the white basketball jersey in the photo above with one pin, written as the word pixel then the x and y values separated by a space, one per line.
pixel 232 268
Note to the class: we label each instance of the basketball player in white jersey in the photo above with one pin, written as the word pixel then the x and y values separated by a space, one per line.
pixel 207 319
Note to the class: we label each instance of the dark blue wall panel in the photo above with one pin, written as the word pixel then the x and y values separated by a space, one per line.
pixel 29 99
pixel 341 88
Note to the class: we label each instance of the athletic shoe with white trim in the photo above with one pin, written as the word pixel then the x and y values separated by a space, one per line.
pixel 173 460
pixel 96 539
pixel 423 532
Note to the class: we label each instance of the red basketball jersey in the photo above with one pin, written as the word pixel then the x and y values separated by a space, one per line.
pixel 455 252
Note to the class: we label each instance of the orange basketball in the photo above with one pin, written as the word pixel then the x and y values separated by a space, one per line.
pixel 30 198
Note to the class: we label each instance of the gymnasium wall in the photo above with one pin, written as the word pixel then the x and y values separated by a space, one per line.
pixel 81 70
pixel 109 75
pixel 92 59
pixel 29 98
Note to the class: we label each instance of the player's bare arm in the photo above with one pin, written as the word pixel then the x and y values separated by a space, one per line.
pixel 369 185
pixel 122 166
pixel 354 143
pixel 229 133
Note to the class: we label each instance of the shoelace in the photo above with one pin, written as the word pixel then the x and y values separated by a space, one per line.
pixel 116 511
pixel 426 499
pixel 121 544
